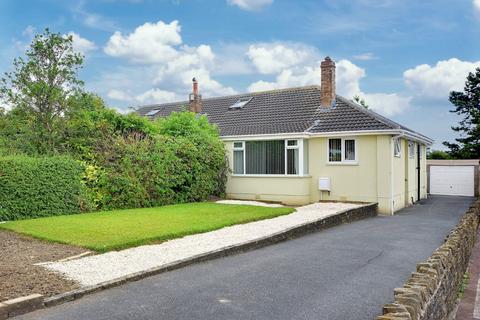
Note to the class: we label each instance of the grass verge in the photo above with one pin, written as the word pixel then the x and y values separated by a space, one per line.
pixel 120 229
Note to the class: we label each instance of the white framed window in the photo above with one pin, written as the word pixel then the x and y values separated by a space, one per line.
pixel 239 157
pixel 342 150
pixel 397 148
pixel 292 157
pixel 270 157
pixel 420 152
pixel 411 149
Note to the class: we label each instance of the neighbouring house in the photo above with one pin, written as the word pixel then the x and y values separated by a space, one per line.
pixel 302 145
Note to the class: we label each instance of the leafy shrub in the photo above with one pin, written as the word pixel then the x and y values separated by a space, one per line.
pixel 40 186
pixel 185 163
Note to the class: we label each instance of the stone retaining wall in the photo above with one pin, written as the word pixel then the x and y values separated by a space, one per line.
pixel 431 292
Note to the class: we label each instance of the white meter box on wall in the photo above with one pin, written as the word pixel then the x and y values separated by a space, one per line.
pixel 324 184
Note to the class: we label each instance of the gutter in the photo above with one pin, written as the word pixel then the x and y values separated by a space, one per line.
pixel 305 135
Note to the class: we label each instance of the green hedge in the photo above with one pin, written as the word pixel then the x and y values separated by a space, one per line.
pixel 40 186
pixel 158 171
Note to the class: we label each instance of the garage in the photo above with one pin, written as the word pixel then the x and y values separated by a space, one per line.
pixel 455 180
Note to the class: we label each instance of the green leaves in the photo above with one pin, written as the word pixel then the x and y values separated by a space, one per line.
pixel 467 105
pixel 129 161
pixel 41 84
pixel 184 164
pixel 36 187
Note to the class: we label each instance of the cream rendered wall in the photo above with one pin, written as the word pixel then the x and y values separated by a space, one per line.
pixel 349 182
pixel 369 180
pixel 289 190
pixel 384 174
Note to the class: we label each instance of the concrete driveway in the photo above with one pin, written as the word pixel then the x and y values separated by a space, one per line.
pixel 347 272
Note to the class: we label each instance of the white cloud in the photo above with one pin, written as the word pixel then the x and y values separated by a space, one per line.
pixel 348 77
pixel 168 65
pixel 476 5
pixel 437 81
pixel 388 104
pixel 150 96
pixel 157 96
pixel 300 66
pixel 29 31
pixel 4 105
pixel 270 58
pixel 149 43
pixel 365 56
pixel 80 44
pixel 250 5
pixel 92 20
pixel 119 95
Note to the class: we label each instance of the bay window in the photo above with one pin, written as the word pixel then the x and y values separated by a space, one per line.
pixel 342 150
pixel 270 157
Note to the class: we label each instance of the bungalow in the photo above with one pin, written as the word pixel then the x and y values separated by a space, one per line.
pixel 302 145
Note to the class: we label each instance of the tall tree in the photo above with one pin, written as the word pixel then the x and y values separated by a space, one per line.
pixel 40 86
pixel 467 105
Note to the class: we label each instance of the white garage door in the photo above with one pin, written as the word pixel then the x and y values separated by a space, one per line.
pixel 452 180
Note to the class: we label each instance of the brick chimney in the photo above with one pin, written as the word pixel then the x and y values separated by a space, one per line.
pixel 327 88
pixel 195 99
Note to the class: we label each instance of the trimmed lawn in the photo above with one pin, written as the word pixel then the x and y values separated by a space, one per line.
pixel 120 229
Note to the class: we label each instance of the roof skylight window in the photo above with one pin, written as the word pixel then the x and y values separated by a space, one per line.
pixel 152 112
pixel 240 103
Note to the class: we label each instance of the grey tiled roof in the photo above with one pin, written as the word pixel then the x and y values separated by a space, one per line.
pixel 293 110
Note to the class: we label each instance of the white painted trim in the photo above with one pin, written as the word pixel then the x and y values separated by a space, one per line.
pixel 348 163
pixel 352 133
pixel 399 142
pixel 307 135
pixel 278 136
pixel 286 147
pixel 301 157
pixel 342 146
pixel 270 176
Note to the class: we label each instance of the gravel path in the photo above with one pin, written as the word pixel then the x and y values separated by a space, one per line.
pixel 104 267
pixel 251 203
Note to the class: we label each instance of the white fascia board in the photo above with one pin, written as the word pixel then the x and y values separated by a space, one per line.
pixel 298 135
pixel 418 138
pixel 307 135
pixel 353 133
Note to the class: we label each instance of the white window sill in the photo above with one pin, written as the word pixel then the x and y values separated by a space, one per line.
pixel 343 163
pixel 270 176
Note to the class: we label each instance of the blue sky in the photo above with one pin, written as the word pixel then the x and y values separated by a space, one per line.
pixel 403 57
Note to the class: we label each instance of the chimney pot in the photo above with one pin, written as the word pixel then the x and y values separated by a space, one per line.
pixel 327 88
